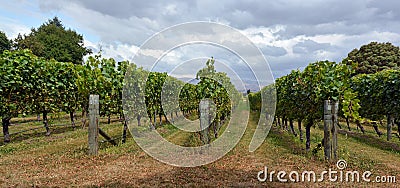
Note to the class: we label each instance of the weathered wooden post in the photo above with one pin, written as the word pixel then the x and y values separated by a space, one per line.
pixel 335 123
pixel 204 119
pixel 327 129
pixel 330 129
pixel 93 124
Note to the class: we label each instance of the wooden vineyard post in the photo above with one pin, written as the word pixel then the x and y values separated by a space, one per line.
pixel 93 124
pixel 327 129
pixel 330 129
pixel 204 119
pixel 335 123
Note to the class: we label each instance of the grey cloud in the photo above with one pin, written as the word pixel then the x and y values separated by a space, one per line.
pixel 273 50
pixel 309 46
pixel 302 17
pixel 386 9
pixel 337 28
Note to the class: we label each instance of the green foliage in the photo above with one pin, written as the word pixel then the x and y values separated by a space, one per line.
pixel 211 89
pixel 374 57
pixel 34 85
pixel 154 83
pixel 48 86
pixel 134 91
pixel 351 105
pixel 208 70
pixel 217 87
pixel 31 84
pixel 17 82
pixel 103 77
pixel 301 94
pixel 209 73
pixel 52 41
pixel 170 94
pixel 188 99
pixel 255 101
pixel 155 93
pixel 290 92
pixel 326 80
pixel 378 93
pixel 5 44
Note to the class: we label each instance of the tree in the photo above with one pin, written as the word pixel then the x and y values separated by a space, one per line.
pixel 52 41
pixel 5 44
pixel 374 57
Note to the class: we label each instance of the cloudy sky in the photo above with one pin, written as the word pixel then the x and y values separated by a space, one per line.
pixel 289 33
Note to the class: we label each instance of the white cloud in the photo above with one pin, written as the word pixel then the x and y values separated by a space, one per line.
pixel 119 52
pixel 170 10
pixel 13 27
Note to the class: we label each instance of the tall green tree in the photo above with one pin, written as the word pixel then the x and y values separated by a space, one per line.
pixel 374 57
pixel 5 44
pixel 53 41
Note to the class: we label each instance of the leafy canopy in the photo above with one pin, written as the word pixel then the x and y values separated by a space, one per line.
pixel 5 44
pixel 374 57
pixel 52 41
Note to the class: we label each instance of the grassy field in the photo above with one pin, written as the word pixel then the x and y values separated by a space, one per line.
pixel 60 160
